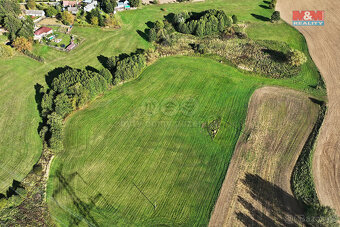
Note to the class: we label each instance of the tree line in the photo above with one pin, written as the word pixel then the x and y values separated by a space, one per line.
pixel 200 24
pixel 72 88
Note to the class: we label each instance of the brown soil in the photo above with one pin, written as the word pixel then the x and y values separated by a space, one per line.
pixel 257 190
pixel 324 46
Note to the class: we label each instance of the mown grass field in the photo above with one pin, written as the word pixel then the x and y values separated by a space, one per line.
pixel 20 145
pixel 136 156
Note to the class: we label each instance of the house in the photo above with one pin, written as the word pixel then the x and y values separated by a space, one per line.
pixel 87 1
pixel 42 32
pixel 122 5
pixel 35 13
pixel 73 10
pixel 70 3
pixel 90 6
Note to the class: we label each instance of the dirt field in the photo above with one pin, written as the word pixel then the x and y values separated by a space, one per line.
pixel 324 46
pixel 256 190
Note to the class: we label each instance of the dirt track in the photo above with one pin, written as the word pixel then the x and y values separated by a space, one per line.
pixel 256 190
pixel 324 46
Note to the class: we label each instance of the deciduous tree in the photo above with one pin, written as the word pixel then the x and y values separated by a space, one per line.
pixel 22 44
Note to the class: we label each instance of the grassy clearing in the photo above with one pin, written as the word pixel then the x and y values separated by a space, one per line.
pixel 116 144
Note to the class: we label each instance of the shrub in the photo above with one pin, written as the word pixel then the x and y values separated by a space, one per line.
pixel 37 169
pixel 3 202
pixel 66 18
pixel 275 16
pixel 317 215
pixel 234 18
pixel 296 58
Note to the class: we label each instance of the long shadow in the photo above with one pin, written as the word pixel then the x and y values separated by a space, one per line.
pixel 143 34
pixel 259 17
pixel 264 6
pixel 103 60
pixel 92 69
pixel 266 2
pixel 283 208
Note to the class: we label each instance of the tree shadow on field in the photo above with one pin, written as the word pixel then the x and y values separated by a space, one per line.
pixel 264 6
pixel 144 34
pixel 103 60
pixel 92 69
pixel 259 17
pixel 278 207
pixel 55 73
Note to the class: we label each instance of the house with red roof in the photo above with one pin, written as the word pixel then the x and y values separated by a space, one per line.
pixel 42 32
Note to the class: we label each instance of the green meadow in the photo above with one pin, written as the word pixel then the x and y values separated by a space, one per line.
pixel 122 163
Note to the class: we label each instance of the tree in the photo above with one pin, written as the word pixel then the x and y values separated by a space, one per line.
pixel 296 58
pixel 5 51
pixel 234 18
pixel 63 105
pixel 94 21
pixel 275 16
pixel 22 44
pixel 200 29
pixel 27 28
pixel 135 3
pixel 152 34
pixel 31 4
pixel 106 74
pixel 66 18
pixel 12 25
pixel 7 8
pixel 56 126
pixel 51 11
pixel 318 215
pixel 108 6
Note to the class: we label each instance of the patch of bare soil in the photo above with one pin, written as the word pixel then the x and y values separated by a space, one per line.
pixel 324 46
pixel 257 190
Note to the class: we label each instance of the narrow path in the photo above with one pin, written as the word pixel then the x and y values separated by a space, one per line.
pixel 324 46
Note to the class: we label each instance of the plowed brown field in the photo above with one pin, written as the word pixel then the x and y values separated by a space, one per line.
pixel 256 190
pixel 324 46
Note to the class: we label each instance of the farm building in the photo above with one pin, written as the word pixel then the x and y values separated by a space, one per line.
pixel 90 6
pixel 42 32
pixel 73 10
pixel 35 13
